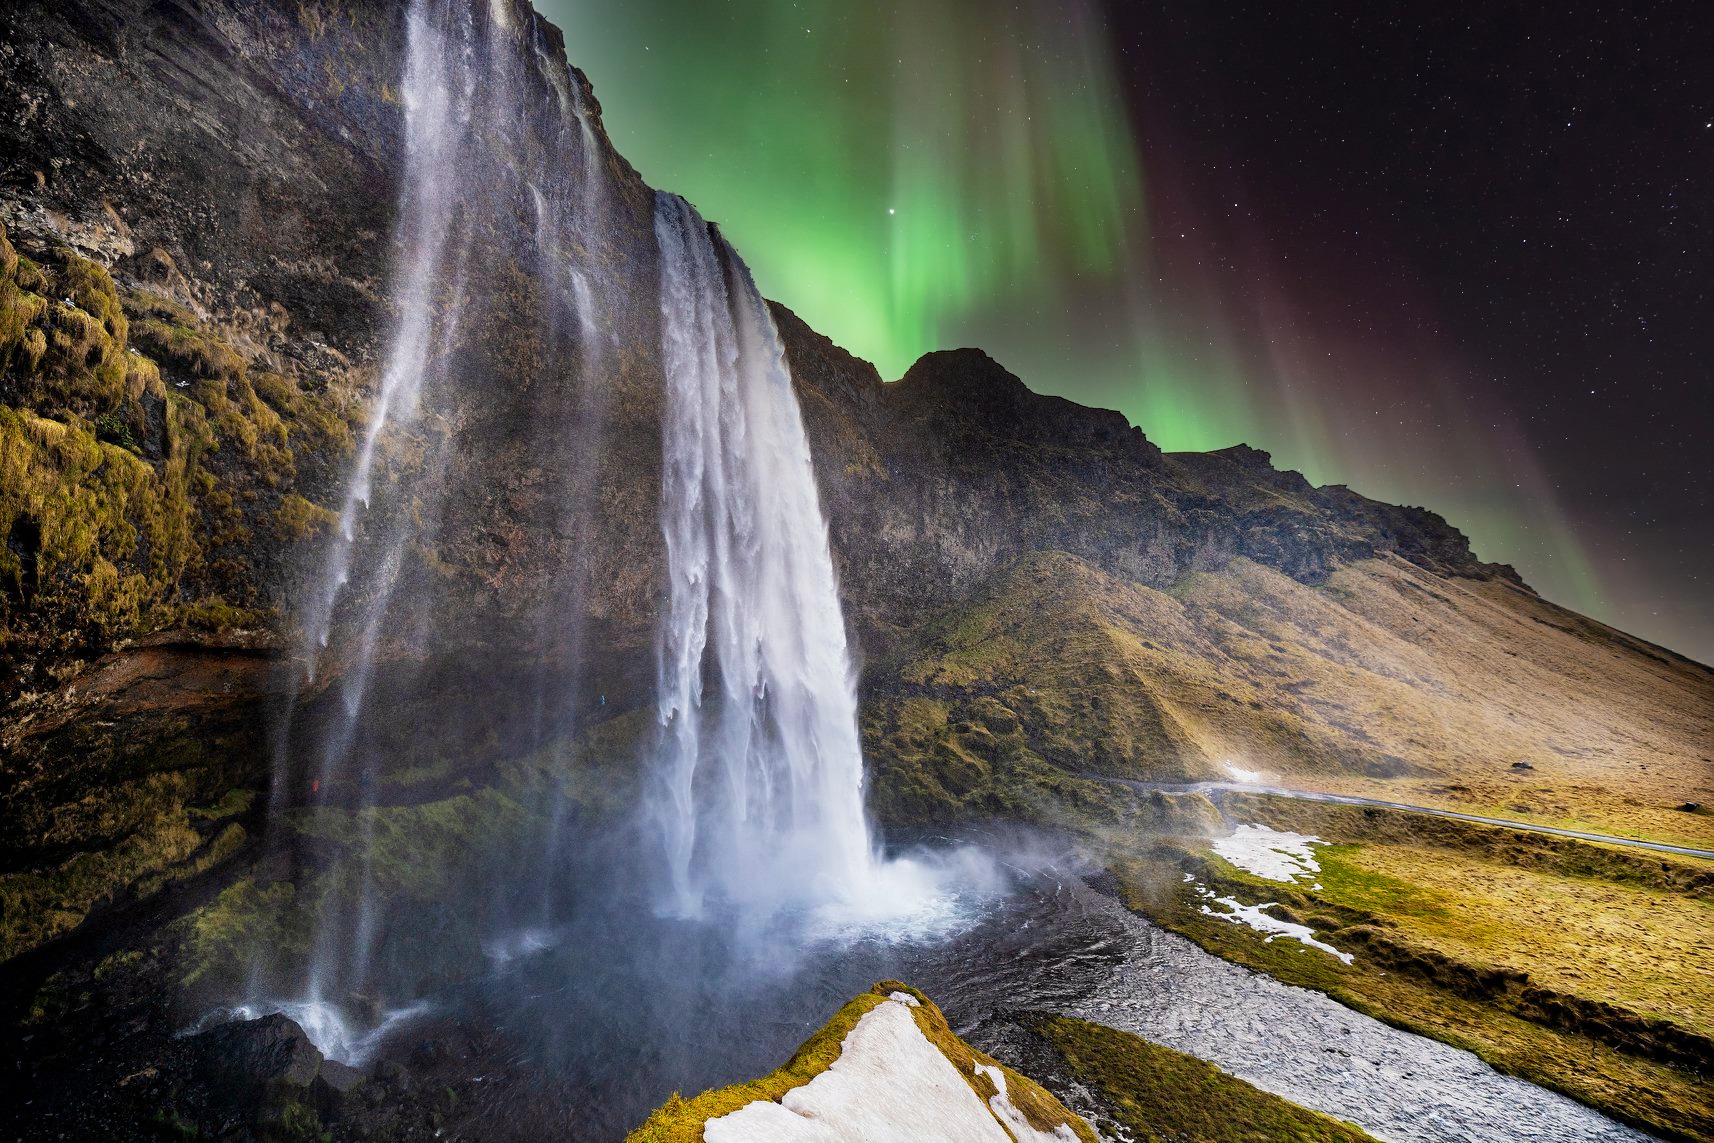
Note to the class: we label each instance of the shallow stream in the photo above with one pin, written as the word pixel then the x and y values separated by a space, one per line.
pixel 624 1018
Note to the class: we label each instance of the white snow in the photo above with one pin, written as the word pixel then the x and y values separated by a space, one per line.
pixel 1277 855
pixel 1016 1122
pixel 1253 916
pixel 889 1085
pixel 1271 853
pixel 906 999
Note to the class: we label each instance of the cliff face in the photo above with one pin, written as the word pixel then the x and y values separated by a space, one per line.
pixel 199 207
pixel 199 201
pixel 934 483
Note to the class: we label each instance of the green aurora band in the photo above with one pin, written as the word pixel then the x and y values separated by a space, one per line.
pixel 911 175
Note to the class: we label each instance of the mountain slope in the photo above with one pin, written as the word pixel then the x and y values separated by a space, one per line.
pixel 1386 678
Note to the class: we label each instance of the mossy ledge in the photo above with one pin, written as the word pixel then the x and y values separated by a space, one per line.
pixel 1159 1094
pixel 681 1120
pixel 160 465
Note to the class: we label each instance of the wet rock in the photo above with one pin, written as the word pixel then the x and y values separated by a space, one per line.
pixel 269 1059
pixel 428 1053
pixel 395 1075
pixel 335 1085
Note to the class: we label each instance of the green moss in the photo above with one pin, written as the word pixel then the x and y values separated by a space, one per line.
pixel 194 352
pixel 420 862
pixel 215 614
pixel 124 496
pixel 1160 1095
pixel 227 934
pixel 117 963
pixel 298 519
pixel 36 906
pixel 52 998
pixel 225 845
pixel 110 428
pixel 114 537
pixel 169 1124
pixel 232 804
pixel 298 1123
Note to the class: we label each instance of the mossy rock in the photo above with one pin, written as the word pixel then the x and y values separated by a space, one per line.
pixel 141 452
pixel 1160 1095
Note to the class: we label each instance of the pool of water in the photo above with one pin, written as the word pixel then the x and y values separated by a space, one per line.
pixel 608 1019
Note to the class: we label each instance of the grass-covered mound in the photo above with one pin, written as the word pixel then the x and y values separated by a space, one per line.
pixel 1159 1094
pixel 682 1120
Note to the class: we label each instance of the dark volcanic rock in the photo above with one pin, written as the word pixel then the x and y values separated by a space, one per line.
pixel 936 482
pixel 249 1060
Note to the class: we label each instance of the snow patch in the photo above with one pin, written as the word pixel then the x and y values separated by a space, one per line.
pixel 1015 1121
pixel 1252 915
pixel 889 1085
pixel 1271 853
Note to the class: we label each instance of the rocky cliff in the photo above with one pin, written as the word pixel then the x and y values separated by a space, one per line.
pixel 199 203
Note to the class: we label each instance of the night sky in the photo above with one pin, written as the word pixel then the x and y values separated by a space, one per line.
pixel 1449 254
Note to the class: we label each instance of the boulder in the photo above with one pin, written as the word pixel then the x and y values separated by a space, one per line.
pixel 264 1060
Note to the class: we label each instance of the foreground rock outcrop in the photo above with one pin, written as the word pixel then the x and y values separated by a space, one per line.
pixel 886 1066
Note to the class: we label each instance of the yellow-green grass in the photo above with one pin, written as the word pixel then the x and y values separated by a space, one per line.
pixel 681 1120
pixel 1164 1096
pixel 1490 845
pixel 1645 950
pixel 1646 810
pixel 1509 1013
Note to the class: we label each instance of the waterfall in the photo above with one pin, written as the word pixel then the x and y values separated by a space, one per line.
pixel 426 815
pixel 496 135
pixel 438 91
pixel 759 784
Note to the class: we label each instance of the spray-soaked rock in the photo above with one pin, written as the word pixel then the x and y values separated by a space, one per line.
pixel 248 1061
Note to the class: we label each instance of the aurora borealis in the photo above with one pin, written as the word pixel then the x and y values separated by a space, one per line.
pixel 1307 231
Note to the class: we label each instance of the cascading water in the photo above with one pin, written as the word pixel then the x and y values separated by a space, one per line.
pixel 451 657
pixel 491 122
pixel 760 785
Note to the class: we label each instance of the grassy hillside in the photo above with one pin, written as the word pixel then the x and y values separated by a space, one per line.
pixel 1388 680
